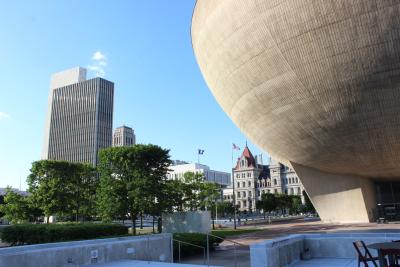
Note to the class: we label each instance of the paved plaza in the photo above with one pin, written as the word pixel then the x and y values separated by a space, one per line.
pixel 224 255
pixel 270 231
pixel 325 263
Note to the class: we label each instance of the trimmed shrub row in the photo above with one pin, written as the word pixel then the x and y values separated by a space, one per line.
pixel 26 234
pixel 193 238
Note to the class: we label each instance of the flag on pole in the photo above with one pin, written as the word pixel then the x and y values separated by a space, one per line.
pixel 200 151
pixel 235 147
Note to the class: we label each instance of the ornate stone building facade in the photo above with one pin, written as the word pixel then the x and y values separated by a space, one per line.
pixel 252 179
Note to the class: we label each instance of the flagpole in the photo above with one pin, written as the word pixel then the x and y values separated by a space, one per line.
pixel 234 195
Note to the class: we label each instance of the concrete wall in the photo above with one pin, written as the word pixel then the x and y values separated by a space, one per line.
pixel 311 82
pixel 283 251
pixel 187 222
pixel 339 198
pixel 78 253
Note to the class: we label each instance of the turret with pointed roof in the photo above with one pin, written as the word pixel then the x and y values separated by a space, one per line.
pixel 247 159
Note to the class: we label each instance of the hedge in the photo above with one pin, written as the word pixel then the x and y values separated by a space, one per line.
pixel 26 234
pixel 196 239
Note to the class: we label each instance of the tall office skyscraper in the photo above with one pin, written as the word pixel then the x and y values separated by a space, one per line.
pixel 79 118
pixel 124 136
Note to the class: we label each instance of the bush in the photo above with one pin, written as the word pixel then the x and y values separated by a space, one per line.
pixel 26 234
pixel 196 239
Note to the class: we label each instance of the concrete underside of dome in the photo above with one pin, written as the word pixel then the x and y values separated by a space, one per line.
pixel 314 83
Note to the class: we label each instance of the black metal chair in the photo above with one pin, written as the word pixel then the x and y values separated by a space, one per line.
pixel 366 256
pixel 393 255
pixel 397 258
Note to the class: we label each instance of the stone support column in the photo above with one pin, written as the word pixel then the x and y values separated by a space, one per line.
pixel 337 197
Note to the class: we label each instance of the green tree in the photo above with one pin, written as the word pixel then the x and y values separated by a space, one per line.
pixel 295 204
pixel 140 171
pixel 171 199
pixel 283 202
pixel 308 206
pixel 208 195
pixel 15 207
pixel 82 186
pixel 192 183
pixel 62 188
pixel 225 208
pixel 268 203
pixel 1 203
pixel 112 195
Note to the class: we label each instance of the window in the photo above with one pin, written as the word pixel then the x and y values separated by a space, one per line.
pixel 243 184
pixel 258 193
pixel 243 175
pixel 238 204
pixel 275 182
pixel 268 191
pixel 276 191
pixel 249 193
pixel 237 175
pixel 291 191
pixel 238 194
pixel 249 183
pixel 238 184
pixel 297 180
pixel 244 203
pixel 298 190
pixel 244 193
pixel 249 174
pixel 242 163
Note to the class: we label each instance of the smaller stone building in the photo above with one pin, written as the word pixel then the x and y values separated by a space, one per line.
pixel 252 179
pixel 124 136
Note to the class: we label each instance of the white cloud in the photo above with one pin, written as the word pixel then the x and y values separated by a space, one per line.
pixel 98 56
pixel 99 62
pixel 4 115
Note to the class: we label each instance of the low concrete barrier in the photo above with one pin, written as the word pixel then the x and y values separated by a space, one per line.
pixel 283 251
pixel 78 253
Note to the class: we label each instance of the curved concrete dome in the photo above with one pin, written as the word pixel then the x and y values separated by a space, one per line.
pixel 316 83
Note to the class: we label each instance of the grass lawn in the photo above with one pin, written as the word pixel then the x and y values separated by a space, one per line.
pixel 231 232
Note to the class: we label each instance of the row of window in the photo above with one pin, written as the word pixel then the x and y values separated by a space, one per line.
pixel 243 194
pixel 119 140
pixel 292 191
pixel 258 184
pixel 243 175
pixel 243 203
pixel 267 183
pixel 292 180
pixel 244 184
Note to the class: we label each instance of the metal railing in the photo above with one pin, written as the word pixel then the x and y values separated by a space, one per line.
pixel 206 250
pixel 224 239
pixel 190 244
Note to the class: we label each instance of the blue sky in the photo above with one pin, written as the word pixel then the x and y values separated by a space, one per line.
pixel 159 90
